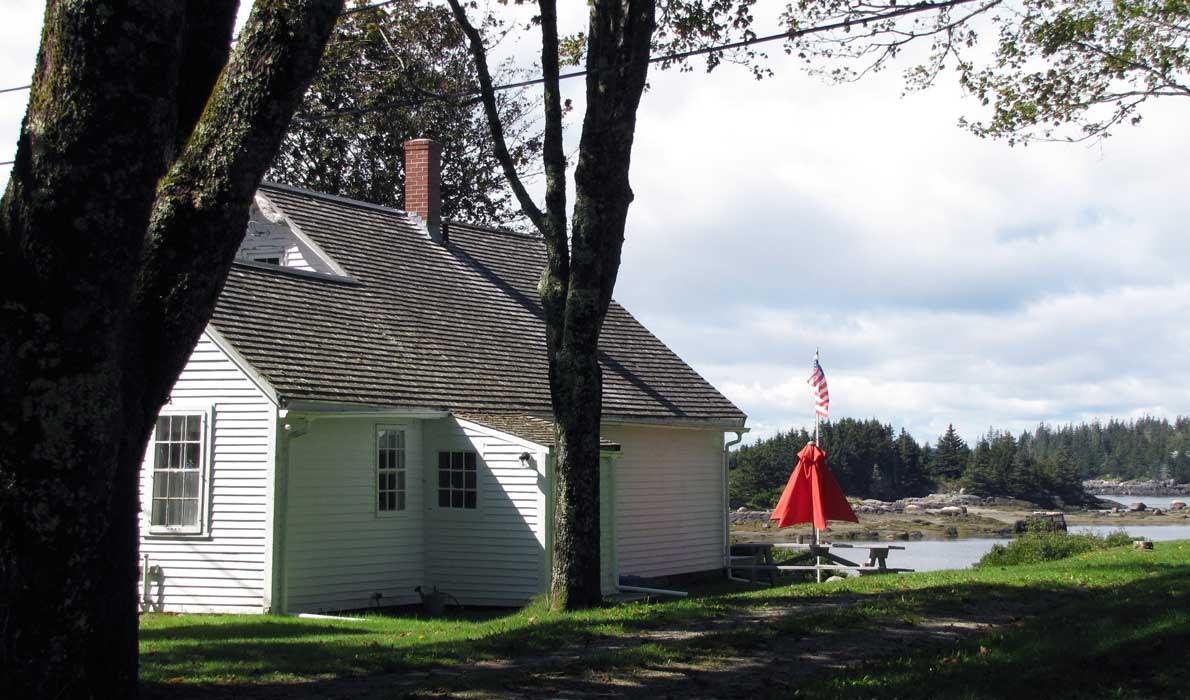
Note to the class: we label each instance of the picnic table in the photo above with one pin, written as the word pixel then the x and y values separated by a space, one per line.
pixel 757 558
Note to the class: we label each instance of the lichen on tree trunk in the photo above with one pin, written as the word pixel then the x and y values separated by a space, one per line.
pixel 106 282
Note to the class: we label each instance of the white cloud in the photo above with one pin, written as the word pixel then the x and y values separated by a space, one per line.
pixel 946 278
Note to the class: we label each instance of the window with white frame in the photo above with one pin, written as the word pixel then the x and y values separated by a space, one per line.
pixel 457 480
pixel 178 473
pixel 390 469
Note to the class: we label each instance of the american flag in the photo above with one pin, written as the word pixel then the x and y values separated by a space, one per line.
pixel 822 397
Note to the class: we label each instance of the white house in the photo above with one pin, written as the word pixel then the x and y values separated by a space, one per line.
pixel 368 411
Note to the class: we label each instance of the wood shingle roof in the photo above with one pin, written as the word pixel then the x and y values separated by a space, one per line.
pixel 423 324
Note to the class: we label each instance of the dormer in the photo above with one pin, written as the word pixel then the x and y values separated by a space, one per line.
pixel 273 239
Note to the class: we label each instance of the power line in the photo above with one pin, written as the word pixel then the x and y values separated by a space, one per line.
pixel 344 13
pixel 672 56
pixel 364 8
pixel 663 58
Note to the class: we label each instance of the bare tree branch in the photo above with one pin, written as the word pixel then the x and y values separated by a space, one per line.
pixel 500 146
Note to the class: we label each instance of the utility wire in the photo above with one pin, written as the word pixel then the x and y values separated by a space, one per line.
pixel 364 8
pixel 344 13
pixel 672 56
pixel 663 58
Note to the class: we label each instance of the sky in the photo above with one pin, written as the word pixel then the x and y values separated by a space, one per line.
pixel 945 278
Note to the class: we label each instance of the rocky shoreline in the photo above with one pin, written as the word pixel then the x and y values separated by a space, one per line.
pixel 934 504
pixel 1148 487
pixel 938 515
pixel 945 516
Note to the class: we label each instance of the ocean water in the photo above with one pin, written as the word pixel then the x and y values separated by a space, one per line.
pixel 937 555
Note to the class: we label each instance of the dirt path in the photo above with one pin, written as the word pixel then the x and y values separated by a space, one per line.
pixel 751 652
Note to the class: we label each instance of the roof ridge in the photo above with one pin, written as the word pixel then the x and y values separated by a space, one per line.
pixel 337 198
pixel 401 212
pixel 502 231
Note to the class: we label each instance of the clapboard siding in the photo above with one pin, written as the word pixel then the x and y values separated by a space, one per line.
pixel 493 555
pixel 225 569
pixel 339 552
pixel 669 499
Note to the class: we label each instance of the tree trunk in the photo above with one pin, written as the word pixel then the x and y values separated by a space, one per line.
pixel 618 49
pixel 104 289
pixel 576 285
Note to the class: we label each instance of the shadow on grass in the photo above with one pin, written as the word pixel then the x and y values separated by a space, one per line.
pixel 1126 642
pixel 1069 635
pixel 270 629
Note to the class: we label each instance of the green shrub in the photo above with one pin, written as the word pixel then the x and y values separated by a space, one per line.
pixel 1035 547
pixel 1118 538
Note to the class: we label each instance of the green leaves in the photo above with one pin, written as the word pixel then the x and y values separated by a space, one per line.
pixel 391 75
pixel 1057 69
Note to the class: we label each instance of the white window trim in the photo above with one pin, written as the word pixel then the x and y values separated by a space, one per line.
pixel 460 512
pixel 376 469
pixel 207 432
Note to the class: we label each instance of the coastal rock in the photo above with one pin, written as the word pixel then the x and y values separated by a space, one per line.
pixel 913 508
pixel 1177 505
pixel 1140 487
pixel 953 510
pixel 1137 507
pixel 748 516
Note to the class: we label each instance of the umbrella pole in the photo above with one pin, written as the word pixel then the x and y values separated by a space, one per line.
pixel 817 559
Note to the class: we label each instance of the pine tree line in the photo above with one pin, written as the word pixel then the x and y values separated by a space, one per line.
pixel 1044 465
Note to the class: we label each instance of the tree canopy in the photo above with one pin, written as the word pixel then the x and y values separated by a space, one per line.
pixel 393 74
pixel 1052 69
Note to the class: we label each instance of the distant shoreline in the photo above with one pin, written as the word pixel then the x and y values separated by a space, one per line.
pixel 1099 487
pixel 931 519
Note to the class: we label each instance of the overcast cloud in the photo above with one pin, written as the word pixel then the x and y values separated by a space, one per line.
pixel 946 278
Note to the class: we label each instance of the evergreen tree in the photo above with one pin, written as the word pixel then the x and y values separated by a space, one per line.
pixel 1001 457
pixel 979 476
pixel 950 456
pixel 914 477
pixel 1022 480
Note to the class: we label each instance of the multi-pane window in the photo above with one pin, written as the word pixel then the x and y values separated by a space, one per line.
pixel 177 473
pixel 390 469
pixel 456 480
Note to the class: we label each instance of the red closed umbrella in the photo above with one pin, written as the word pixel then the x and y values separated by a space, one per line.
pixel 812 495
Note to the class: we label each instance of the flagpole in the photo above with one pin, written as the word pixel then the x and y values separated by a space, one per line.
pixel 817 418
pixel 817 535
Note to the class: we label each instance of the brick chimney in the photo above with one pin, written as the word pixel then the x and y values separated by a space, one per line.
pixel 423 183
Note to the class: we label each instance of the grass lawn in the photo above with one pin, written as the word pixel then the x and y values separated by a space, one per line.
pixel 1113 623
